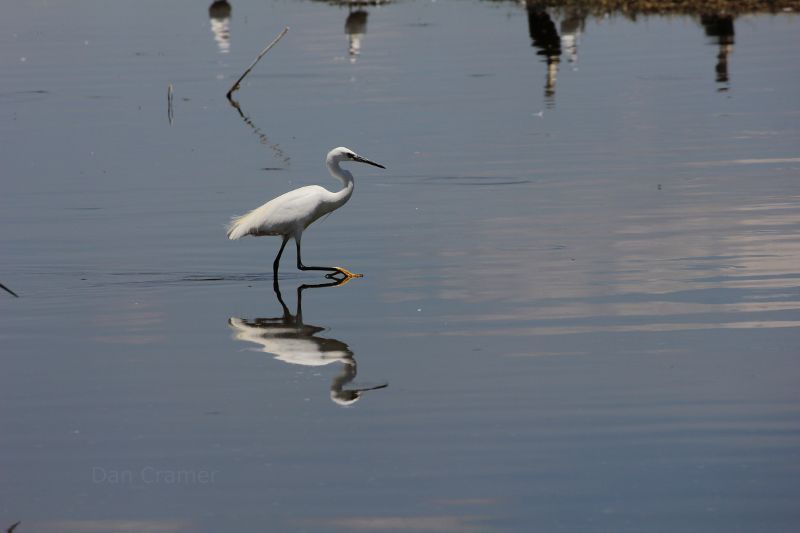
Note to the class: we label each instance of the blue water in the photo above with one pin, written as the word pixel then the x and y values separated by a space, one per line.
pixel 580 289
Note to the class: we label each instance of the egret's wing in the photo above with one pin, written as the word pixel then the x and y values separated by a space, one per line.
pixel 280 215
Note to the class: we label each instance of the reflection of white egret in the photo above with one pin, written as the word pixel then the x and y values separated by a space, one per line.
pixel 290 214
pixel 220 15
pixel 355 27
pixel 289 340
pixel 290 344
pixel 343 396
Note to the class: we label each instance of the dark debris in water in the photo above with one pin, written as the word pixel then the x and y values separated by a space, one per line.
pixel 9 291
pixel 25 95
pixel 175 278
pixel 194 278
pixel 351 3
pixel 479 180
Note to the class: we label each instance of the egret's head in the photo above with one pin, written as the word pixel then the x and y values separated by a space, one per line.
pixel 342 154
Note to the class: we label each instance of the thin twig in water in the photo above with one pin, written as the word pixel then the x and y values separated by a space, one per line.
pixel 12 527
pixel 170 113
pixel 235 86
pixel 9 291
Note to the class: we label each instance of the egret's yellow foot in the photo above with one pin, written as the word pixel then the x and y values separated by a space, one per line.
pixel 338 282
pixel 347 274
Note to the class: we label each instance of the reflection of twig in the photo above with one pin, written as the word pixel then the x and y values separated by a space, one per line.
pixel 235 86
pixel 13 526
pixel 169 103
pixel 276 149
pixel 9 291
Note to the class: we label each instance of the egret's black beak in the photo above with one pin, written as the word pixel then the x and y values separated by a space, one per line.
pixel 367 161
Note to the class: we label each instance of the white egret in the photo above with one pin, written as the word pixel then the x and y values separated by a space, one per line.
pixel 290 214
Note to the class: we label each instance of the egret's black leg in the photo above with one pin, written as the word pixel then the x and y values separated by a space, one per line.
pixel 301 266
pixel 333 270
pixel 278 259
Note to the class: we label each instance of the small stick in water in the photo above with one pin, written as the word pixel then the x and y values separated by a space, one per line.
pixel 13 527
pixel 170 113
pixel 9 291
pixel 235 86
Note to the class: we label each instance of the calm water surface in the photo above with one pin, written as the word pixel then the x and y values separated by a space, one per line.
pixel 580 309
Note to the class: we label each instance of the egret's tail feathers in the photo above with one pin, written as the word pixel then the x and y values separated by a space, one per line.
pixel 237 230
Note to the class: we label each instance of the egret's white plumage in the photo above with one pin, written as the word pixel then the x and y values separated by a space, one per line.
pixel 291 213
pixel 287 214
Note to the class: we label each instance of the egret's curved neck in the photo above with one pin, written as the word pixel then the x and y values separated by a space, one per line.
pixel 345 177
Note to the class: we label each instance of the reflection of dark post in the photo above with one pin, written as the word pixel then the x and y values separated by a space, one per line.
pixel 720 27
pixel 544 36
pixel 220 9
pixel 571 26
pixel 355 27
pixel 220 14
